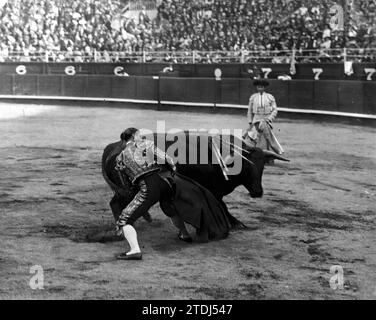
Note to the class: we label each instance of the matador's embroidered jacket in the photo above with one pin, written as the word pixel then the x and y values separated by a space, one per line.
pixel 141 158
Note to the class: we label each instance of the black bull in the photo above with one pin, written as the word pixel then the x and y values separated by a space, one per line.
pixel 208 174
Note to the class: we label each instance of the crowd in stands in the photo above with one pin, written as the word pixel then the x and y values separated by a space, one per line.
pixel 76 30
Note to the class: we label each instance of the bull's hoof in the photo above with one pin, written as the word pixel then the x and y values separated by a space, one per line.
pixel 133 256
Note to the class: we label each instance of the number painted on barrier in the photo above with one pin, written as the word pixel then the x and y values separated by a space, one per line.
pixel 317 72
pixel 21 70
pixel 218 74
pixel 70 70
pixel 370 72
pixel 266 71
pixel 119 71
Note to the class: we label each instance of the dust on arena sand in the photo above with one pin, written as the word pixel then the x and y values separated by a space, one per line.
pixel 317 211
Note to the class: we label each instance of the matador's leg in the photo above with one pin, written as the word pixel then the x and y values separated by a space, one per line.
pixel 142 202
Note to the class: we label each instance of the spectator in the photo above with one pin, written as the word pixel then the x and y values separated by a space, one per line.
pixel 247 26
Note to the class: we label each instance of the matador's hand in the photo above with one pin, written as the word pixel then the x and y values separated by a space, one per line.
pixel 119 227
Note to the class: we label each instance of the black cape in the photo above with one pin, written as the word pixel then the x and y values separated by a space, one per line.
pixel 198 207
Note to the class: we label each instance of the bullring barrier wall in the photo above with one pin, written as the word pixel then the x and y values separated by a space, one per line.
pixel 309 71
pixel 343 98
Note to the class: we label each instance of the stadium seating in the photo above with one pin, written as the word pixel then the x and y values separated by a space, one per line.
pixel 74 30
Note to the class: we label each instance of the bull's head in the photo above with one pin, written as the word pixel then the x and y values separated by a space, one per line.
pixel 253 167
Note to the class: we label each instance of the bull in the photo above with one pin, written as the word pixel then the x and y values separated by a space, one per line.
pixel 209 174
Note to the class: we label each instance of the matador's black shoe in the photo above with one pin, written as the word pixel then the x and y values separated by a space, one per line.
pixel 133 256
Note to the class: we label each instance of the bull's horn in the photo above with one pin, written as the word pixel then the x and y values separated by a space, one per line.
pixel 275 156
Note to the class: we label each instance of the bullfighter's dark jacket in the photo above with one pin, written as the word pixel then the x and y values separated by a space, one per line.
pixel 139 159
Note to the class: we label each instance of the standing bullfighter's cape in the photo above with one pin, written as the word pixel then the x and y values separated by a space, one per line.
pixel 198 207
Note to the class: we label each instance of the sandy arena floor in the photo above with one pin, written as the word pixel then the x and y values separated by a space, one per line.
pixel 318 211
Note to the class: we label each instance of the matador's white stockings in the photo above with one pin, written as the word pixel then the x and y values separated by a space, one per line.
pixel 130 235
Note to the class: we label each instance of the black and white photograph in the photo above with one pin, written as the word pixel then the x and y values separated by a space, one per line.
pixel 213 151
